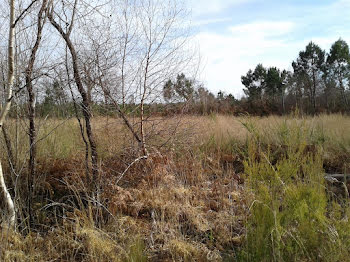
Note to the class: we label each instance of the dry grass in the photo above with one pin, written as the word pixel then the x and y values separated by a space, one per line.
pixel 185 203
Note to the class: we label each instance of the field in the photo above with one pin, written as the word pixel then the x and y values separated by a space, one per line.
pixel 214 188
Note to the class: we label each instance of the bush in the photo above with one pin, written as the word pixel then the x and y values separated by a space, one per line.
pixel 291 218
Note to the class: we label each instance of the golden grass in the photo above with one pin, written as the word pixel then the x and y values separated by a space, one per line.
pixel 62 139
pixel 187 203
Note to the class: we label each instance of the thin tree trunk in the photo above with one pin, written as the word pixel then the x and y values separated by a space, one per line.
pixel 81 127
pixel 142 109
pixel 342 90
pixel 8 201
pixel 31 110
pixel 10 79
pixel 123 76
pixel 283 103
pixel 9 149
pixel 313 93
pixel 85 103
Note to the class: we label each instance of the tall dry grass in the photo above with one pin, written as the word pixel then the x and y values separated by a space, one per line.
pixel 191 200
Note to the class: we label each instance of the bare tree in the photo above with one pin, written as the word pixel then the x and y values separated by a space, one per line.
pixel 86 102
pixel 31 105
pixel 152 43
pixel 122 55
pixel 5 109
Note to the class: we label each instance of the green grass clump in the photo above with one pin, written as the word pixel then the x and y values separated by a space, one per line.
pixel 291 218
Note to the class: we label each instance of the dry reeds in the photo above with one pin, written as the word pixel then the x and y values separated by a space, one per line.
pixel 187 201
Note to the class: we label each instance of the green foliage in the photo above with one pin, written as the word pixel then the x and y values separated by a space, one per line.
pixel 339 55
pixel 338 68
pixel 290 216
pixel 309 60
pixel 318 83
pixel 255 82
pixel 183 88
pixel 275 81
pixel 309 68
pixel 136 252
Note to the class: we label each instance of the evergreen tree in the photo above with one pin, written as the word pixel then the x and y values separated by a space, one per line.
pixel 338 67
pixel 255 82
pixel 273 82
pixel 309 67
pixel 182 89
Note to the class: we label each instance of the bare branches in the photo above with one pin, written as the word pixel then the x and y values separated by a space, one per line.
pixel 86 102
pixel 31 106
pixel 70 28
pixel 10 79
pixel 24 12
pixel 129 166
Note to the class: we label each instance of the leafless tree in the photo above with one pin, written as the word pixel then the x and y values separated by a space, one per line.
pixel 152 46
pixel 5 109
pixel 86 101
pixel 119 51
pixel 31 104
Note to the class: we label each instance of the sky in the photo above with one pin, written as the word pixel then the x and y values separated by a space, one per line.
pixel 235 35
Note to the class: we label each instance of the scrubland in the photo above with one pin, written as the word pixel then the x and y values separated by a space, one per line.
pixel 214 188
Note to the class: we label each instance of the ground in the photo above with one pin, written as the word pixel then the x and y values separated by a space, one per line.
pixel 214 188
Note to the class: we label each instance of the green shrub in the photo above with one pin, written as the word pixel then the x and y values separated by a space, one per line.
pixel 291 218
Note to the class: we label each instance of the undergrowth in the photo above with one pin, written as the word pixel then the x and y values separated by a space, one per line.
pixel 221 189
pixel 291 218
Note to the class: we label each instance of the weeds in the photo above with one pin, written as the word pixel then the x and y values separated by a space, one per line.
pixel 290 216
pixel 222 189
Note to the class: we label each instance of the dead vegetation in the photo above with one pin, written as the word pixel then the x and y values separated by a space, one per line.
pixel 188 201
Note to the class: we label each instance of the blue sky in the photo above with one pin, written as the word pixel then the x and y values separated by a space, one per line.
pixel 236 35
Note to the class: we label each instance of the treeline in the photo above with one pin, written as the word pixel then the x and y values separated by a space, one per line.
pixel 318 83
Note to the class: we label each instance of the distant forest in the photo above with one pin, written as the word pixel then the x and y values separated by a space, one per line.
pixel 318 83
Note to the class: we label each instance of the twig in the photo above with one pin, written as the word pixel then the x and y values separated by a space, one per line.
pixel 126 170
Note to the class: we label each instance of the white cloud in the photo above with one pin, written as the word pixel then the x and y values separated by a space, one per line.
pixel 204 7
pixel 233 49
pixel 210 21
pixel 231 55
pixel 263 28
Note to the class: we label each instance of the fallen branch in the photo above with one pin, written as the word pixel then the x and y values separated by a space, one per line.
pixel 126 170
pixel 337 177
